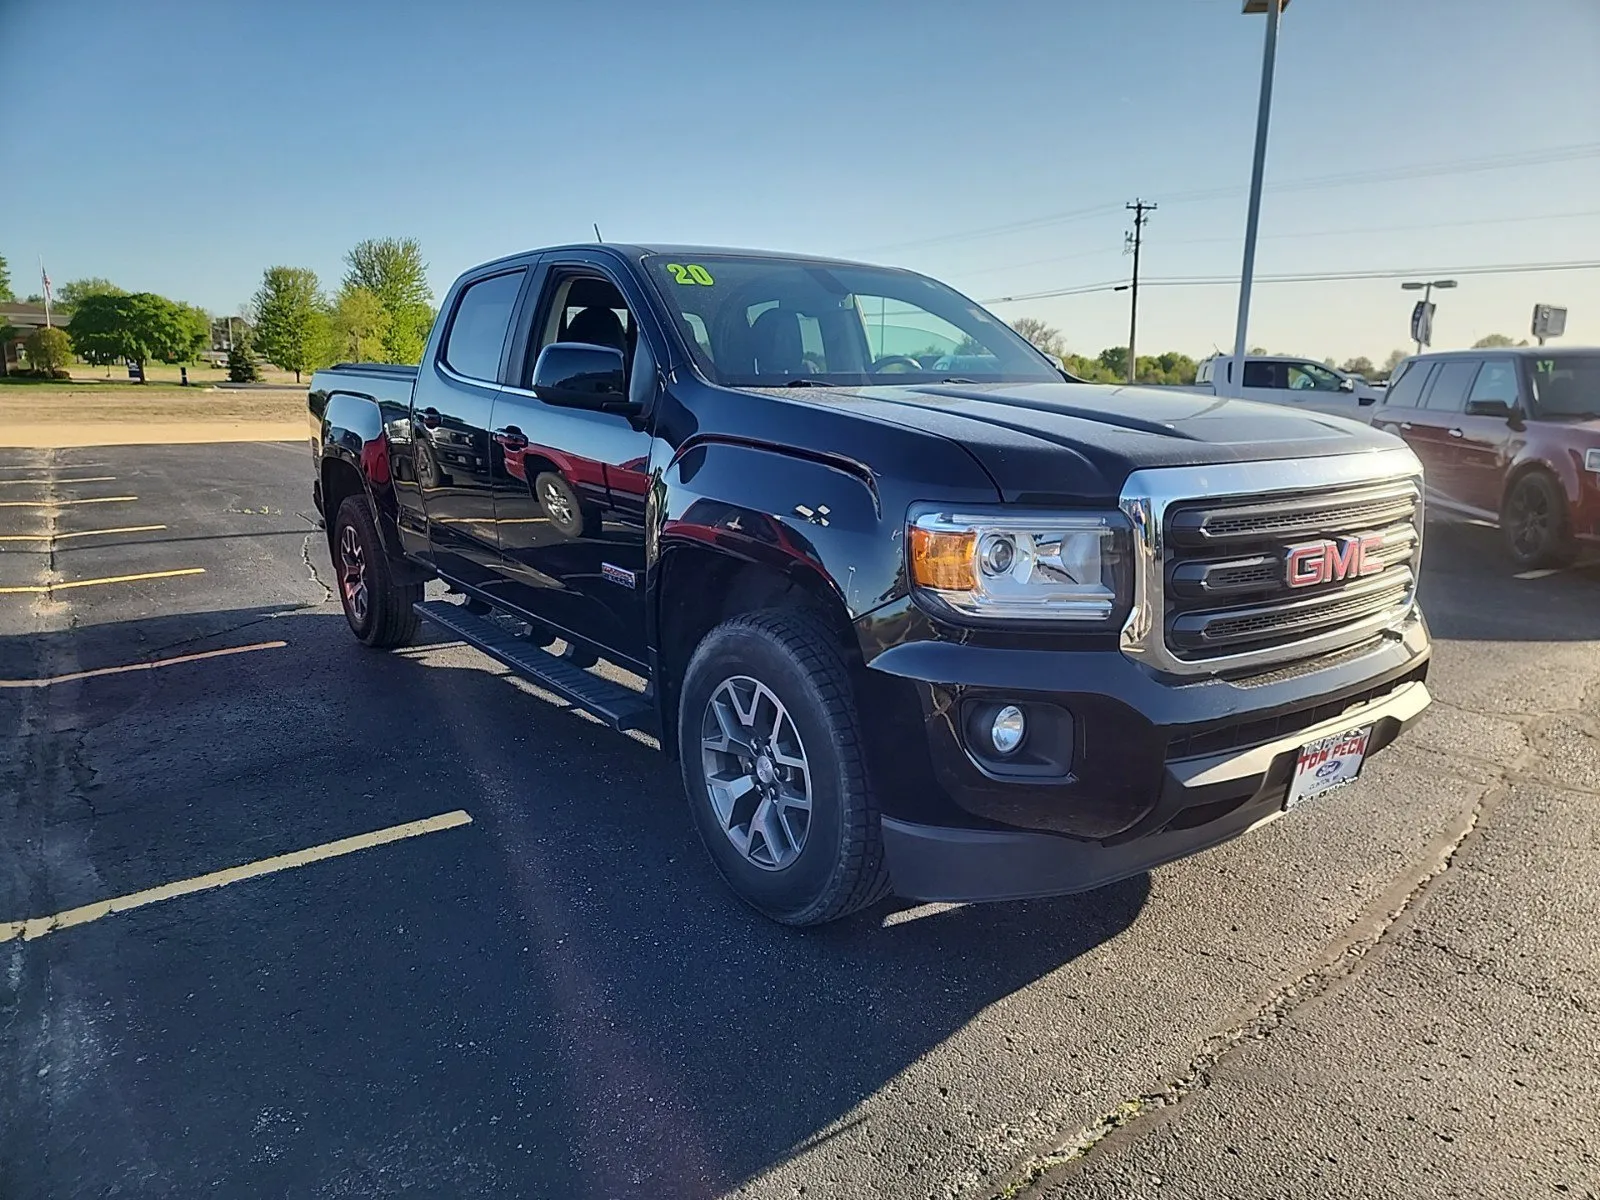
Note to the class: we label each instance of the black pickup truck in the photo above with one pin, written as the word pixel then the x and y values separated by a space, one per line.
pixel 913 610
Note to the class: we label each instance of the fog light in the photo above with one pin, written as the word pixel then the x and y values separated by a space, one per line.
pixel 1008 730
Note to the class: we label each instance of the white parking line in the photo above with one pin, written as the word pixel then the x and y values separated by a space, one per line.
pixel 39 482
pixel 39 926
pixel 60 503
pixel 56 537
pixel 153 664
pixel 46 588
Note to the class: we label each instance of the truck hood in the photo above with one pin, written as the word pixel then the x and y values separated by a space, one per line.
pixel 1076 443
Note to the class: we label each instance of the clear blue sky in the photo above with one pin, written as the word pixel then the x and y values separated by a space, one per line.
pixel 180 147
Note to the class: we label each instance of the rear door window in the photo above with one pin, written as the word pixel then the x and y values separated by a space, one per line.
pixel 1449 390
pixel 478 329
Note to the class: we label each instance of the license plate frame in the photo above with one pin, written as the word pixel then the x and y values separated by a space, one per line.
pixel 1327 764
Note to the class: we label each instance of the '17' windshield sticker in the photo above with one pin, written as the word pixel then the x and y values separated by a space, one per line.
pixel 690 274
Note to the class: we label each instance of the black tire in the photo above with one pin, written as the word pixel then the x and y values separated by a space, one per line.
pixel 569 516
pixel 386 618
pixel 839 867
pixel 1534 522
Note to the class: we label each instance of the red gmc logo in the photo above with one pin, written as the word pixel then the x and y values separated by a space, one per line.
pixel 1330 561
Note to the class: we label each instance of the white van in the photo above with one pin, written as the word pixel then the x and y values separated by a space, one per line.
pixel 1294 382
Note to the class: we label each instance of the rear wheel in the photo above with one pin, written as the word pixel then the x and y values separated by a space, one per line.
pixel 378 608
pixel 1535 523
pixel 773 763
pixel 569 516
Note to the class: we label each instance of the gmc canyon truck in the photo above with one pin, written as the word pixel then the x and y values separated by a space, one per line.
pixel 913 610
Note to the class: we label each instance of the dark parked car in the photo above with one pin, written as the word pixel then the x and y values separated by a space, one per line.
pixel 946 622
pixel 1507 436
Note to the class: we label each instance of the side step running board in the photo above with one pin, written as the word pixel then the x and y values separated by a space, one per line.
pixel 619 707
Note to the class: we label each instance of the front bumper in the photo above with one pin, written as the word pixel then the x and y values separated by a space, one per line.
pixel 930 862
pixel 1159 767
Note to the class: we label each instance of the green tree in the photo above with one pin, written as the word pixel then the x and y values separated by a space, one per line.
pixel 393 270
pixel 5 281
pixel 1360 366
pixel 360 325
pixel 73 292
pixel 291 319
pixel 1392 363
pixel 1495 341
pixel 1114 360
pixel 1043 336
pixel 197 324
pixel 49 352
pixel 135 328
pixel 242 363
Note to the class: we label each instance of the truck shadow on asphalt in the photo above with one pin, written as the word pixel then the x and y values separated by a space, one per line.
pixel 633 1029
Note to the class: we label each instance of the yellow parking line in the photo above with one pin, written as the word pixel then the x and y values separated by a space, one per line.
pixel 152 665
pixel 56 537
pixel 78 583
pixel 39 926
pixel 37 482
pixel 59 503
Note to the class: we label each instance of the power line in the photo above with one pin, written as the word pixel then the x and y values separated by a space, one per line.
pixel 1233 239
pixel 1467 166
pixel 1321 277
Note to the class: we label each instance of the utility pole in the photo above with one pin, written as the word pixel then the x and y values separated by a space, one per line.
pixel 1135 242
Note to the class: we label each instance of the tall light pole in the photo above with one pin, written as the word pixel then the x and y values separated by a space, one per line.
pixel 1269 61
pixel 1135 243
pixel 1425 325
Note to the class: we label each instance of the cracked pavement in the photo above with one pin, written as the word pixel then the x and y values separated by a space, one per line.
pixel 1393 992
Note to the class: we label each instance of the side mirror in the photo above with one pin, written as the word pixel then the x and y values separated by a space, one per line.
pixel 1347 385
pixel 581 375
pixel 1490 408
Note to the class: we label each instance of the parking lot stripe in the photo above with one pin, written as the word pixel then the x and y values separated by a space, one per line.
pixel 56 537
pixel 39 926
pixel 37 588
pixel 59 503
pixel 37 482
pixel 152 665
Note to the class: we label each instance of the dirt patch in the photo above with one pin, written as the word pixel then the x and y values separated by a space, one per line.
pixel 137 416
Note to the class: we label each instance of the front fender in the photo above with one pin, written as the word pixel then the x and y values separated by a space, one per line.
pixel 812 518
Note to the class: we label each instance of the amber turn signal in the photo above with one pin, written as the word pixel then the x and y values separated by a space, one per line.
pixel 943 561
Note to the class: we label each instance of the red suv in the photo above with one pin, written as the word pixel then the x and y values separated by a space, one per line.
pixel 1507 436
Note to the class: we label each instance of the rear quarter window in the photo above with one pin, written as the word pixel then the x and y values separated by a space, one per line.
pixel 1406 389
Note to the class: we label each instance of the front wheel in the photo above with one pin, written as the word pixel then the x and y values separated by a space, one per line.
pixel 378 608
pixel 1535 523
pixel 774 766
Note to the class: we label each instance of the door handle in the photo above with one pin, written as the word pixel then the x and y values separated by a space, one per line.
pixel 511 438
pixel 1455 433
pixel 430 418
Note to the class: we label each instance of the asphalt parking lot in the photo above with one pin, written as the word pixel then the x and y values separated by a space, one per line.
pixel 1393 992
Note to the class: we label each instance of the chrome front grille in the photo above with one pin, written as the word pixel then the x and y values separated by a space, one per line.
pixel 1215 547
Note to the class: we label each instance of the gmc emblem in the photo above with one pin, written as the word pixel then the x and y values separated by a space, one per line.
pixel 1331 561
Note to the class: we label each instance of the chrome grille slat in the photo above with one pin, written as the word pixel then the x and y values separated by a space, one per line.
pixel 1204 630
pixel 1208 524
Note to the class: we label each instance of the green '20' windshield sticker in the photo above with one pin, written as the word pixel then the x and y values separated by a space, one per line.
pixel 690 274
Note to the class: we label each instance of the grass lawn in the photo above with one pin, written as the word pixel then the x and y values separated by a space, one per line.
pixel 40 402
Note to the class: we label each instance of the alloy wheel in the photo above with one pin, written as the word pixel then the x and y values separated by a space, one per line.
pixel 1530 520
pixel 756 772
pixel 555 503
pixel 353 574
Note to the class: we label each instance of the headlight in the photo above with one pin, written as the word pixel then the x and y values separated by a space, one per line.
pixel 1022 565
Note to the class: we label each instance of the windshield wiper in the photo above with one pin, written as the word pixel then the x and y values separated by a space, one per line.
pixel 803 383
pixel 958 379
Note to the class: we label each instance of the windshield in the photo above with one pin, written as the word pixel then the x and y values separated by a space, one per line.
pixel 1567 386
pixel 774 322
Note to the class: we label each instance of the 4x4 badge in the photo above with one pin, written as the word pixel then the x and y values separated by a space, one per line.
pixel 620 575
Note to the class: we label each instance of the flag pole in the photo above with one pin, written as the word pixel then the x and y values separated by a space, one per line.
pixel 46 280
